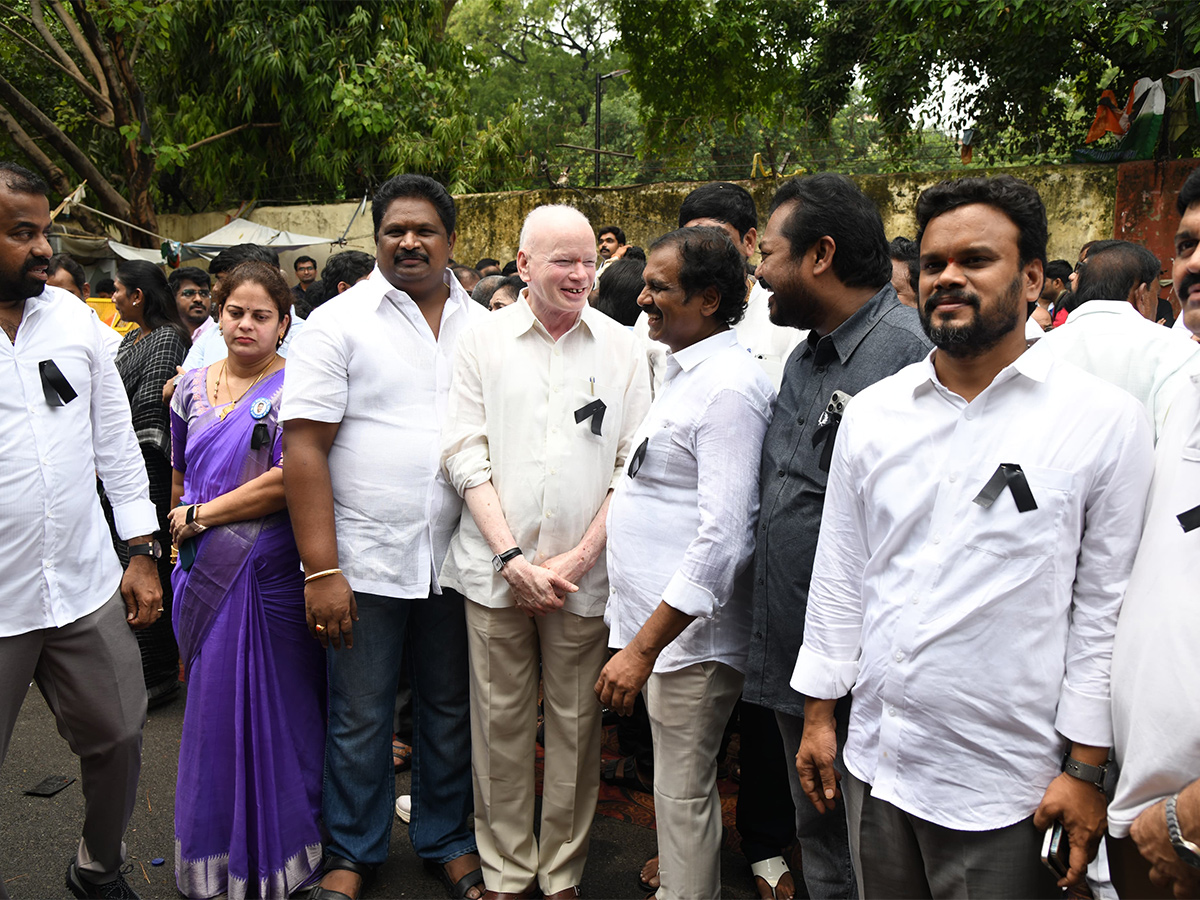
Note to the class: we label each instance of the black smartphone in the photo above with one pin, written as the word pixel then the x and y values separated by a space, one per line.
pixel 1056 850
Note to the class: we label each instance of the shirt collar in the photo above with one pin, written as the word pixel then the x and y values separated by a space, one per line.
pixel 457 299
pixel 694 354
pixel 1102 307
pixel 1031 364
pixel 847 336
pixel 527 320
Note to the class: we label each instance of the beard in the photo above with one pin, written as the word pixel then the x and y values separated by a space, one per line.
pixel 983 332
pixel 797 308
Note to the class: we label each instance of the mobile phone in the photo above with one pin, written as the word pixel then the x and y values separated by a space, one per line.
pixel 1056 850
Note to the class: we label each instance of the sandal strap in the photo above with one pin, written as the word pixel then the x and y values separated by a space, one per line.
pixel 364 871
pixel 770 870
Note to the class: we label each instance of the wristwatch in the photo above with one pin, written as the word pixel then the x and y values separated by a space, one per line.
pixel 151 548
pixel 1185 849
pixel 500 560
pixel 1093 775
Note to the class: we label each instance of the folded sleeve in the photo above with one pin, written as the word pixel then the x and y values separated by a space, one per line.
pixel 827 663
pixel 466 460
pixel 316 383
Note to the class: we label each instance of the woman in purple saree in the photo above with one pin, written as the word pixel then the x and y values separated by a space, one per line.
pixel 248 797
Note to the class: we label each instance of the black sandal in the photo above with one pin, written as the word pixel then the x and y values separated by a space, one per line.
pixel 457 889
pixel 333 863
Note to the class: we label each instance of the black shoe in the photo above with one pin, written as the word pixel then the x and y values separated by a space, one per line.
pixel 117 889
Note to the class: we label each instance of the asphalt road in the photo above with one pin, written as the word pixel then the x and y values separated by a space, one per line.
pixel 38 835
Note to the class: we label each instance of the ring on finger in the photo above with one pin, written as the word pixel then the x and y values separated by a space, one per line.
pixel 318 628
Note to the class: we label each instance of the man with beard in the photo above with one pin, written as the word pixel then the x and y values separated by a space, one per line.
pixel 65 606
pixel 981 518
pixel 193 295
pixel 825 257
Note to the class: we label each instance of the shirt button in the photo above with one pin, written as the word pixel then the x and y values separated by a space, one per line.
pixel 760 581
pixel 800 421
pixel 953 477
pixel 899 656
pixel 970 414
pixel 782 474
pixel 937 538
pixel 891 711
pixel 549 514
pixel 558 351
pixel 554 471
pixel 557 389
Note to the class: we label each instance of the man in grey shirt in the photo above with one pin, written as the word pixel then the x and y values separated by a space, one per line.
pixel 826 259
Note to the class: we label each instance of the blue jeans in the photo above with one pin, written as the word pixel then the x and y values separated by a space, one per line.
pixel 824 842
pixel 359 782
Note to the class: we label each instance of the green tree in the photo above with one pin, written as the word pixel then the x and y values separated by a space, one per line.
pixel 1025 73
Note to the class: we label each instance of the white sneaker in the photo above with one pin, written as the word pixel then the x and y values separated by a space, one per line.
pixel 404 807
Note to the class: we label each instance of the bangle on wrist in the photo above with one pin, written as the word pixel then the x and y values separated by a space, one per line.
pixel 322 574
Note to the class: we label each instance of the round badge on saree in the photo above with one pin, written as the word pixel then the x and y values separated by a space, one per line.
pixel 259 408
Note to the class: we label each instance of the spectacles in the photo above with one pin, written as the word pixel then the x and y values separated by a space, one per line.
pixel 189 293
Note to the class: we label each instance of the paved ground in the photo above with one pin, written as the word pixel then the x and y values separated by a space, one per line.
pixel 38 835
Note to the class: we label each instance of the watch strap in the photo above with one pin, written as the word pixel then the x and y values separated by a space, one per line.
pixel 1094 775
pixel 1184 849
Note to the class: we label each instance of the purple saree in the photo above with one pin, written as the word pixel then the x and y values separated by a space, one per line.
pixel 248 797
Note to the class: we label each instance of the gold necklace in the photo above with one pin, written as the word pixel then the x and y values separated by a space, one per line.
pixel 228 408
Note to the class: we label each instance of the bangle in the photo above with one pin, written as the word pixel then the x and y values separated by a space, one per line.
pixel 324 572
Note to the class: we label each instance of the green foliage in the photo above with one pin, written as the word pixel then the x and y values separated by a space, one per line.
pixel 338 95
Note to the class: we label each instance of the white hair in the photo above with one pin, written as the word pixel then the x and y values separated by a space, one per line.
pixel 541 216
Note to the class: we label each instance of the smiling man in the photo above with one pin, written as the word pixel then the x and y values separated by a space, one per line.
pixel 65 607
pixel 981 517
pixel 678 615
pixel 363 404
pixel 545 400
pixel 825 258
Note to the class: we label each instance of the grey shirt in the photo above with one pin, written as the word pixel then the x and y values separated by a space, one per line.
pixel 878 340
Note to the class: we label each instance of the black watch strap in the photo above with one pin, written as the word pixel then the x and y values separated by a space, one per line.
pixel 151 548
pixel 1094 775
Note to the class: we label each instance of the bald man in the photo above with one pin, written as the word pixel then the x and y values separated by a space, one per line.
pixel 543 406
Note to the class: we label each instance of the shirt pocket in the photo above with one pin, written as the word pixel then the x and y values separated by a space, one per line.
pixel 585 392
pixel 1003 531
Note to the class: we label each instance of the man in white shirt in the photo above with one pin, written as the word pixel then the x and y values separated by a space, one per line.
pixel 545 400
pixel 730 207
pixel 65 606
pixel 1156 709
pixel 680 532
pixel 363 407
pixel 1112 333
pixel 979 527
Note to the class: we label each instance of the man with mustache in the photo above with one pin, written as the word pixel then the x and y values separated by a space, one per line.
pixel 363 404
pixel 1185 269
pixel 65 606
pixel 981 518
pixel 193 295
pixel 826 262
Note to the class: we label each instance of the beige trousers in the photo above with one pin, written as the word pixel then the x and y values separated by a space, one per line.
pixel 504 647
pixel 688 711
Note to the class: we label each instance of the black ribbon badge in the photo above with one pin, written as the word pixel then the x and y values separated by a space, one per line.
pixel 827 426
pixel 594 411
pixel 1191 519
pixel 1008 475
pixel 635 462
pixel 55 387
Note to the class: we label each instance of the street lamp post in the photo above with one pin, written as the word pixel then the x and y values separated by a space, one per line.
pixel 600 78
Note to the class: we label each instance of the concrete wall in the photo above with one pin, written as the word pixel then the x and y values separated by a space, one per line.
pixel 1080 201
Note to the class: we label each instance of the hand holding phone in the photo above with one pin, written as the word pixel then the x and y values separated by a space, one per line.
pixel 1056 850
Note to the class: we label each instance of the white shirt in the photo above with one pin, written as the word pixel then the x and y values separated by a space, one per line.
pixel 682 528
pixel 1156 662
pixel 208 344
pixel 57 562
pixel 369 360
pixel 512 420
pixel 975 639
pixel 1113 341
pixel 767 342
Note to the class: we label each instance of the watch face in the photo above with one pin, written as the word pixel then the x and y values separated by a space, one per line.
pixel 497 563
pixel 1186 851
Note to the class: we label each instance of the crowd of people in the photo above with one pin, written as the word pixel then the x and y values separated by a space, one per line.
pixel 915 514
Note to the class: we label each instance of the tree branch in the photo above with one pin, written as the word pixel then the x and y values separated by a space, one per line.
pixel 73 73
pixel 235 130
pixel 67 149
pixel 81 45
